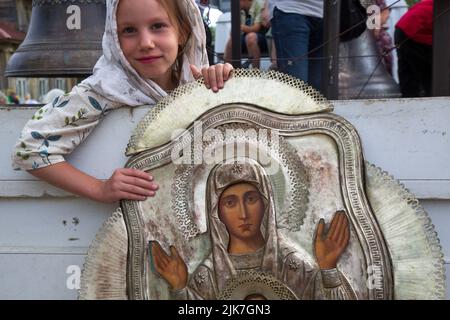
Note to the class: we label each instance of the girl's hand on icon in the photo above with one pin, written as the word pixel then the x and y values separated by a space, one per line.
pixel 214 76
pixel 127 184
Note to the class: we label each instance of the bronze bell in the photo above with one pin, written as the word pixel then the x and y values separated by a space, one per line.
pixel 64 39
pixel 361 73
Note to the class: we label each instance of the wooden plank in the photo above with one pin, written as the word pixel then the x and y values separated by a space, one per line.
pixel 50 222
pixel 49 277
pixel 428 189
pixel 80 251
pixel 439 212
pixel 31 189
pixel 409 138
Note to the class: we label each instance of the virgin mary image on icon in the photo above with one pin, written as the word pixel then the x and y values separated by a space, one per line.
pixel 246 246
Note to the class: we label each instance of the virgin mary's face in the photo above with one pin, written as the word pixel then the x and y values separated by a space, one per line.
pixel 241 210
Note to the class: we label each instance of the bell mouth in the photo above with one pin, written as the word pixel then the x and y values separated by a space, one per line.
pixel 45 61
pixel 64 40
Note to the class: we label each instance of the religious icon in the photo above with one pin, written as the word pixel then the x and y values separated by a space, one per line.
pixel 244 237
pixel 263 195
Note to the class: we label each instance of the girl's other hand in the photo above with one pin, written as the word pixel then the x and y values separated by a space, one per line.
pixel 127 184
pixel 214 76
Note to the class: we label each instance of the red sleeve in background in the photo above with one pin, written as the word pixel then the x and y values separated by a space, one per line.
pixel 417 22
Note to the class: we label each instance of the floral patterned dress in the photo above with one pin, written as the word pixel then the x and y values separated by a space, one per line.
pixel 59 127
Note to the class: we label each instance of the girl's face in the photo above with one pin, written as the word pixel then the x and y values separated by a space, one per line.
pixel 148 39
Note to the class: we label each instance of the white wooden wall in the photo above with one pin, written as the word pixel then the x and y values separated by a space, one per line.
pixel 45 233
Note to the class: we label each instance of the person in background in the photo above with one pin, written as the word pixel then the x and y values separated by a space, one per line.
pixel 13 98
pixel 414 41
pixel 297 28
pixel 3 99
pixel 253 33
pixel 28 99
pixel 203 5
pixel 270 42
pixel 397 8
pixel 383 38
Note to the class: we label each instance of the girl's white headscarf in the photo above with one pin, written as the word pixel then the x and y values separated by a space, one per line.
pixel 115 79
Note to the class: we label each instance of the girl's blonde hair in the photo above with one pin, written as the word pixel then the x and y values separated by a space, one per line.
pixel 184 30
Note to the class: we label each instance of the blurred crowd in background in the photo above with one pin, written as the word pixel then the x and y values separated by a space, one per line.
pixel 287 35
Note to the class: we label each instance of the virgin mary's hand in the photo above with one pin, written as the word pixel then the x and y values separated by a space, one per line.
pixel 172 268
pixel 329 247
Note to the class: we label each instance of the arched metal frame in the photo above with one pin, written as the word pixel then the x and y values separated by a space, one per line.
pixel 351 171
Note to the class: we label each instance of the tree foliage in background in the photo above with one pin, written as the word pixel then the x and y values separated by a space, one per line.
pixel 411 2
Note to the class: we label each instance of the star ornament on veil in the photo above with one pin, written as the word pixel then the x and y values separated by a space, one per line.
pixel 237 168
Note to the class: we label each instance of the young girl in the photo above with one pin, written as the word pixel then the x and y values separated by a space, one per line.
pixel 149 48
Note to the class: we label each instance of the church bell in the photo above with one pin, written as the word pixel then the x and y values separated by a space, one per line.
pixel 64 39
